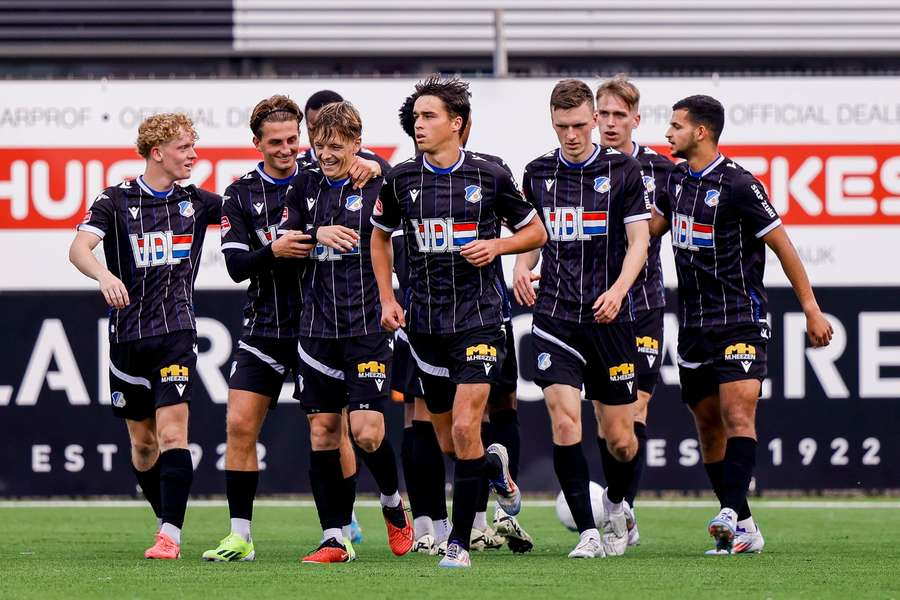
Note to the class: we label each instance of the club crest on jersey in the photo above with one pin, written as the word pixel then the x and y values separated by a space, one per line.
pixel 473 193
pixel 267 235
pixel 712 198
pixel 543 361
pixel 649 347
pixel 602 185
pixel 443 235
pixel 324 253
pixel 118 399
pixel 483 353
pixel 158 248
pixel 372 370
pixel 225 223
pixel 186 209
pixel 649 184
pixel 691 235
pixel 353 203
pixel 745 353
pixel 567 224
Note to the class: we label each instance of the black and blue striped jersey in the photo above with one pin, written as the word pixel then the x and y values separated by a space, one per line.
pixel 648 291
pixel 152 241
pixel 718 217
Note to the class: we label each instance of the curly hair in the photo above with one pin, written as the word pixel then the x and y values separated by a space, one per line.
pixel 453 92
pixel 338 120
pixel 162 128
pixel 274 109
pixel 407 120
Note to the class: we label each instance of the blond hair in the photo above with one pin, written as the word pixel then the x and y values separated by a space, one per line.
pixel 338 120
pixel 274 109
pixel 623 89
pixel 162 128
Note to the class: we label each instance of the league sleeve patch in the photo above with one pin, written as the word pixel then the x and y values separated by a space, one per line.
pixel 226 225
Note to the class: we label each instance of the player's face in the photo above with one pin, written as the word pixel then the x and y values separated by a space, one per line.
pixel 617 121
pixel 279 145
pixel 336 155
pixel 573 128
pixel 176 157
pixel 681 134
pixel 435 128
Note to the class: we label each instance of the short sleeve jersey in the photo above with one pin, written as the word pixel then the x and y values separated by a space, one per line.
pixel 152 242
pixel 648 291
pixel 440 211
pixel 339 288
pixel 252 210
pixel 585 207
pixel 718 218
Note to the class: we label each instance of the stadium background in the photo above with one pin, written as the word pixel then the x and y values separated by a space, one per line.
pixel 812 107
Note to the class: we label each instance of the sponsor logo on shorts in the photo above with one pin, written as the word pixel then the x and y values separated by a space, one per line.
pixel 648 346
pixel 118 399
pixel 484 353
pixel 623 373
pixel 745 353
pixel 176 374
pixel 543 361
pixel 372 370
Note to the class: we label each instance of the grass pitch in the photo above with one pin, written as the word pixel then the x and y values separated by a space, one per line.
pixel 96 552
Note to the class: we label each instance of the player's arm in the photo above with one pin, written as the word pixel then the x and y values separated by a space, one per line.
pixel 818 329
pixel 661 207
pixel 608 304
pixel 524 277
pixel 81 254
pixel 385 219
pixel 364 170
pixel 658 225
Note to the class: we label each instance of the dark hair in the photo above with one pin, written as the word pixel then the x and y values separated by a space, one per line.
pixel 274 109
pixel 407 120
pixel 338 120
pixel 706 111
pixel 571 93
pixel 320 99
pixel 453 92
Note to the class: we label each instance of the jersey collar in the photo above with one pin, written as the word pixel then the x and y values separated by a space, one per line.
pixel 707 169
pixel 635 149
pixel 336 183
pixel 450 169
pixel 582 164
pixel 155 193
pixel 266 177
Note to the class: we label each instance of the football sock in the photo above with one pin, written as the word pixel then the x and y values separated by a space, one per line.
pixel 430 470
pixel 467 479
pixel 441 530
pixel 176 472
pixel 505 430
pixel 574 478
pixel 480 521
pixel 747 525
pixel 149 482
pixel 423 526
pixel 411 478
pixel 171 531
pixel 737 470
pixel 349 499
pixel 382 463
pixel 619 475
pixel 240 487
pixel 328 486
pixel 640 431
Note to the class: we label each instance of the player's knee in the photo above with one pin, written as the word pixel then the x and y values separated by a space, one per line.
pixel 172 437
pixel 622 445
pixel 324 434
pixel 368 438
pixel 240 432
pixel 566 432
pixel 466 428
pixel 738 422
pixel 145 451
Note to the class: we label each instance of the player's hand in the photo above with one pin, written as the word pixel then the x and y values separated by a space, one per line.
pixel 293 244
pixel 818 329
pixel 392 317
pixel 607 306
pixel 362 171
pixel 114 291
pixel 523 288
pixel 338 237
pixel 480 253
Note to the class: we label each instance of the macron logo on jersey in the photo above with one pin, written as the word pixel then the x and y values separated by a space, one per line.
pixel 691 235
pixel 568 224
pixel 158 248
pixel 443 235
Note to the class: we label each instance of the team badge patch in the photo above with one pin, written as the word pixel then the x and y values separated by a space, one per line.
pixel 354 202
pixel 543 361
pixel 87 217
pixel 118 399
pixel 745 353
pixel 473 194
pixel 226 225
pixel 712 198
pixel 602 185
pixel 284 215
pixel 379 208
pixel 372 370
pixel 649 184
pixel 186 208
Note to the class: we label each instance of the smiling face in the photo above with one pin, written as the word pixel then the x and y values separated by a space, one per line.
pixel 176 157
pixel 573 127
pixel 617 121
pixel 435 127
pixel 336 155
pixel 279 144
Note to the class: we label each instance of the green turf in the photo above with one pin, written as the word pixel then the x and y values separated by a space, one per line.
pixel 96 553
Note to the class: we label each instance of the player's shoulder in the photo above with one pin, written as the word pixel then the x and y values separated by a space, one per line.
pixel 487 162
pixel 372 155
pixel 737 176
pixel 413 164
pixel 244 182
pixel 649 156
pixel 205 197
pixel 543 162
